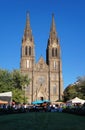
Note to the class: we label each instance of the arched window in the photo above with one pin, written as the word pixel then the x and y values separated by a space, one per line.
pixel 29 50
pixel 26 49
pixel 54 65
pixel 27 64
pixel 53 52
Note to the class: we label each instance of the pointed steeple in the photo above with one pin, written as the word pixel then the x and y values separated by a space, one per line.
pixel 53 29
pixel 28 31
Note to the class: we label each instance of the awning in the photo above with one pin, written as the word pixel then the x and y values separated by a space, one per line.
pixel 40 101
pixel 3 102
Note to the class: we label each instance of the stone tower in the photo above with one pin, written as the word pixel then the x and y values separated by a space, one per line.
pixel 53 61
pixel 46 76
pixel 28 56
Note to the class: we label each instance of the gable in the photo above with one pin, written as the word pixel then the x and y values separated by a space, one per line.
pixel 41 65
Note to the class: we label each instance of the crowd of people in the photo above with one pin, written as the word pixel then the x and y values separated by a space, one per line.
pixel 44 107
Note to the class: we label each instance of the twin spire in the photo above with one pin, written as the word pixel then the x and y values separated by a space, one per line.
pixel 28 31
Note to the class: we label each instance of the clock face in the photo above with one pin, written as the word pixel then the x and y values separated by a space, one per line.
pixel 28 41
pixel 54 44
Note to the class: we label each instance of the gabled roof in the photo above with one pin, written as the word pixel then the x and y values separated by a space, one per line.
pixel 41 64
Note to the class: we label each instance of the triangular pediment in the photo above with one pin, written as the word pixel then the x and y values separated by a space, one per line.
pixel 41 60
pixel 41 64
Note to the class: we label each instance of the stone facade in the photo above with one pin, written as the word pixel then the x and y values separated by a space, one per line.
pixel 46 76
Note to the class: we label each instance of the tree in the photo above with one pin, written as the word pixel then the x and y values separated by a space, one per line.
pixel 5 81
pixel 13 81
pixel 70 92
pixel 19 80
pixel 18 95
pixel 75 90
pixel 81 86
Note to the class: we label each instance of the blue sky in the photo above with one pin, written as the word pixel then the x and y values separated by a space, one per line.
pixel 70 26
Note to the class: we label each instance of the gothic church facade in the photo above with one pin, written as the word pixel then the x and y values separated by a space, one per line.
pixel 46 80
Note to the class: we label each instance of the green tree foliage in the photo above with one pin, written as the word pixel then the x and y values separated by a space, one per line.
pixel 18 95
pixel 70 92
pixel 75 90
pixel 5 81
pixel 19 80
pixel 13 81
pixel 81 87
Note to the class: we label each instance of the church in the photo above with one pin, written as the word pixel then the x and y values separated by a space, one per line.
pixel 46 80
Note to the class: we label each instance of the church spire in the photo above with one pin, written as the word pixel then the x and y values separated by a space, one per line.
pixel 53 29
pixel 28 31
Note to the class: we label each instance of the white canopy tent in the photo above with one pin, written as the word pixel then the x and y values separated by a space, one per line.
pixel 6 96
pixel 76 100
